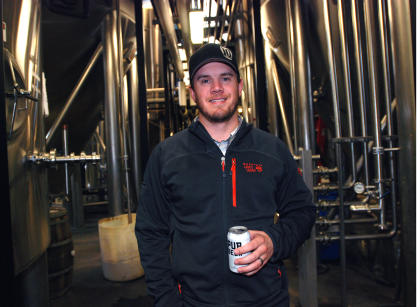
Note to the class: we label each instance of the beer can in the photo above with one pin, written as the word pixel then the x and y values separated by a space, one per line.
pixel 237 236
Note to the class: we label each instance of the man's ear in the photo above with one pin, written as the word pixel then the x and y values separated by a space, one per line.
pixel 192 94
pixel 240 87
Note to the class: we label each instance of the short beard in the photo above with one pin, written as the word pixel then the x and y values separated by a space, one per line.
pixel 218 119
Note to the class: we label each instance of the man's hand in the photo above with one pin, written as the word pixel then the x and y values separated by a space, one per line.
pixel 261 248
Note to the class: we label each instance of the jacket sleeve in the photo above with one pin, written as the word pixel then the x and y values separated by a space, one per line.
pixel 153 237
pixel 296 213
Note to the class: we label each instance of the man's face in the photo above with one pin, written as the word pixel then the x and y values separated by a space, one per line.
pixel 216 92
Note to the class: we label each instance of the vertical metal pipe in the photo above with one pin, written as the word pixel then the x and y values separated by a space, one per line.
pixel 403 60
pixel 66 152
pixel 166 85
pixel 113 152
pixel 332 69
pixel 135 129
pixel 260 99
pixel 216 21
pixel 357 42
pixel 302 100
pixel 123 111
pixel 347 84
pixel 281 104
pixel 374 87
pixel 291 44
pixel 302 75
pixel 342 226
pixel 387 90
pixel 334 89
pixel 142 96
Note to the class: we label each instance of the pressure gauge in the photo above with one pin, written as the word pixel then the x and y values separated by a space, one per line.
pixel 359 187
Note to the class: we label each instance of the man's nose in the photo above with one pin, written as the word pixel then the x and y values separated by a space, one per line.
pixel 217 86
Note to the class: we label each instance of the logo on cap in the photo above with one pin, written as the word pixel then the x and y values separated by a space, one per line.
pixel 226 52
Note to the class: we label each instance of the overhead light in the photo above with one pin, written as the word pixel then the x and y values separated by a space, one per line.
pixel 197 26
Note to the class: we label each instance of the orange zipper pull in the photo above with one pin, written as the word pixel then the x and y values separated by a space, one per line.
pixel 233 169
pixel 222 161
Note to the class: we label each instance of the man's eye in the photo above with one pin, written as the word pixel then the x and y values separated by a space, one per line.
pixel 226 79
pixel 204 81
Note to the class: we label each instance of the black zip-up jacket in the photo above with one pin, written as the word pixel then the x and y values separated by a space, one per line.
pixel 192 195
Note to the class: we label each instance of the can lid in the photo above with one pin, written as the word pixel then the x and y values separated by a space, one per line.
pixel 238 229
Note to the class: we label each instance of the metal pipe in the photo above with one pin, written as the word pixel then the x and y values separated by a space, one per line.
pixel 281 104
pixel 216 21
pixel 122 84
pixel 332 69
pixel 222 23
pixel 325 221
pixel 134 121
pixel 232 19
pixel 209 21
pixel 400 22
pixel 373 80
pixel 302 75
pixel 165 17
pixel 112 114
pixel 141 91
pixel 66 152
pixel 342 226
pixel 74 93
pixel 154 90
pixel 360 83
pixel 291 43
pixel 385 57
pixel 100 140
pixel 183 9
pixel 347 83
pixel 386 235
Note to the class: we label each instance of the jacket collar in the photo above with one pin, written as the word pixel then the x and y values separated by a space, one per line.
pixel 197 129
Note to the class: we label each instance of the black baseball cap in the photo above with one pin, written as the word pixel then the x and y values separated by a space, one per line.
pixel 211 53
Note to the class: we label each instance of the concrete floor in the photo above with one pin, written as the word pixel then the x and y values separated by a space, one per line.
pixel 89 288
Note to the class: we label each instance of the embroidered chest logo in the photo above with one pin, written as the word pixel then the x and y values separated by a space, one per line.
pixel 253 167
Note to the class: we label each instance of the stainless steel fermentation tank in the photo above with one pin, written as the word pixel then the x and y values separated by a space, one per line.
pixel 25 134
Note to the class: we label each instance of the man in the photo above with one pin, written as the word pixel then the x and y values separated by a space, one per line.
pixel 218 173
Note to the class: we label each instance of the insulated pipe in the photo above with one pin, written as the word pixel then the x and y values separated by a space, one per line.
pixel 164 13
pixel 347 84
pixel 74 93
pixel 112 113
pixel 373 80
pixel 403 59
pixel 360 81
